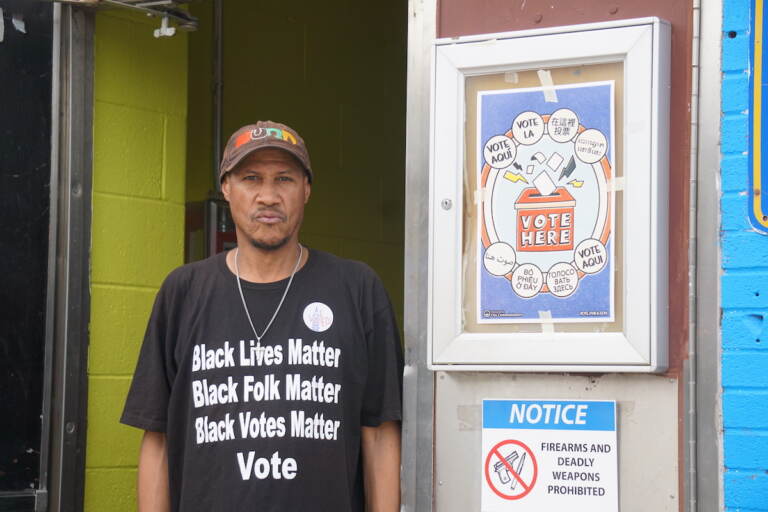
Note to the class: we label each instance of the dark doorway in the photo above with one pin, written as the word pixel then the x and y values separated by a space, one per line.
pixel 25 179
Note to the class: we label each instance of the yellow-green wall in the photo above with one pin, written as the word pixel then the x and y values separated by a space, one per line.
pixel 334 71
pixel 140 122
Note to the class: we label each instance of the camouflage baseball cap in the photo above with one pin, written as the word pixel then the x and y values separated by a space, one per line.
pixel 263 134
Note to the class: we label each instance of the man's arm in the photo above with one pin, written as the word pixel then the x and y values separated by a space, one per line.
pixel 381 466
pixel 153 493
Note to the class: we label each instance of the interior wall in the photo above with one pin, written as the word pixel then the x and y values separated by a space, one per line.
pixel 335 72
pixel 199 182
pixel 139 144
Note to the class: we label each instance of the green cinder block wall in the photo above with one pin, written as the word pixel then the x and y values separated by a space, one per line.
pixel 139 171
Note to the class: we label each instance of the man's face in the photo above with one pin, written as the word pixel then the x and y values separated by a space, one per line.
pixel 267 192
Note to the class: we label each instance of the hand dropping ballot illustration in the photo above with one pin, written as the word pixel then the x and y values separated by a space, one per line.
pixel 546 182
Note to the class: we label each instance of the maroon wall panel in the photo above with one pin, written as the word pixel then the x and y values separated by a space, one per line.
pixel 466 17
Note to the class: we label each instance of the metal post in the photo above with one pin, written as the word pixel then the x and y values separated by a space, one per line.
pixel 708 420
pixel 418 406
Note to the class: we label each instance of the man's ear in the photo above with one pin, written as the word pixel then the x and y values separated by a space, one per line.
pixel 225 186
pixel 307 190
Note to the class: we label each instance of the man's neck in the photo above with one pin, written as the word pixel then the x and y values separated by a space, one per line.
pixel 265 266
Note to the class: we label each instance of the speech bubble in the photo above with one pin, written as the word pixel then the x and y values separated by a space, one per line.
pixel 590 146
pixel 527 128
pixel 499 259
pixel 563 125
pixel 590 256
pixel 562 279
pixel 500 151
pixel 527 280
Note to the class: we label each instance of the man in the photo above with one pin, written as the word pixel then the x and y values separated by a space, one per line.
pixel 270 376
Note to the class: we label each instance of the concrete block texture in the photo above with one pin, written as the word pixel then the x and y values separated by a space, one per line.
pixel 735 133
pixel 743 249
pixel 736 52
pixel 110 489
pixel 122 314
pixel 735 92
pixel 745 408
pixel 736 16
pixel 744 363
pixel 110 444
pixel 137 228
pixel 746 491
pixel 128 151
pixel 745 330
pixel 134 69
pixel 734 173
pixel 733 211
pixel 745 369
pixel 135 241
pixel 746 450
pixel 745 290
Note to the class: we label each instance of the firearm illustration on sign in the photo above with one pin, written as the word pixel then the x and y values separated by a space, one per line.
pixel 502 469
pixel 546 183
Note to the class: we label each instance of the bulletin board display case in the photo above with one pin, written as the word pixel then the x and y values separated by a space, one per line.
pixel 549 199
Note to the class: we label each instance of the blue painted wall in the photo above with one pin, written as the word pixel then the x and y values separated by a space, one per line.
pixel 744 285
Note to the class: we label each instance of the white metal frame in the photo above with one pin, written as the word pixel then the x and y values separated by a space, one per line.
pixel 643 45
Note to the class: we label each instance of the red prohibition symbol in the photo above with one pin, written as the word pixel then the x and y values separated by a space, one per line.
pixel 495 457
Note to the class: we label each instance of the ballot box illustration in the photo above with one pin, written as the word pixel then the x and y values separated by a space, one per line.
pixel 545 221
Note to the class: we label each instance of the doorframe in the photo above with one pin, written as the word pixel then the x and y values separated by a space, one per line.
pixel 68 308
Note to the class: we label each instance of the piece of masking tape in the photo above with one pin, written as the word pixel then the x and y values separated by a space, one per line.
pixel 547 327
pixel 481 195
pixel 511 77
pixel 548 86
pixel 616 184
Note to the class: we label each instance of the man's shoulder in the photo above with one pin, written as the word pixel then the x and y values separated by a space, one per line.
pixel 184 276
pixel 347 269
pixel 357 277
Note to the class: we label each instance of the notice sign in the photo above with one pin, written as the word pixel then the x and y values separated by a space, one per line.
pixel 544 237
pixel 549 455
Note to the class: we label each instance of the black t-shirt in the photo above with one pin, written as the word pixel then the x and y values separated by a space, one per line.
pixel 271 425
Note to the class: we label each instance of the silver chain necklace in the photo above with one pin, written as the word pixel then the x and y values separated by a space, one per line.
pixel 242 297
